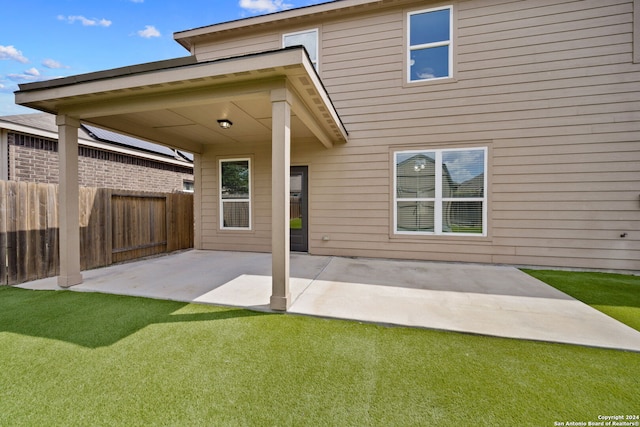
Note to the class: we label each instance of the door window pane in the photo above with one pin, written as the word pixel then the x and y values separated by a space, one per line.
pixel 295 202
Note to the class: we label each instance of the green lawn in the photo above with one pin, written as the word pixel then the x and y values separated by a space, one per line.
pixel 82 359
pixel 617 295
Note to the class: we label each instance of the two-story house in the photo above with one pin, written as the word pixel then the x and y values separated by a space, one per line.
pixel 471 130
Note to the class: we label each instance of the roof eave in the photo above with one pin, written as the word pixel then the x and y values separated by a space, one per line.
pixel 186 38
pixel 89 96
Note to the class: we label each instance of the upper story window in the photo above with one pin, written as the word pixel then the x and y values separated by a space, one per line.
pixel 235 194
pixel 430 44
pixel 441 192
pixel 308 39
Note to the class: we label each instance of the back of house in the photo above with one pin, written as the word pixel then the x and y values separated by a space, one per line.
pixel 479 131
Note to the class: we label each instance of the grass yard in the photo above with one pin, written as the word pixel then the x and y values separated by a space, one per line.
pixel 83 359
pixel 617 295
pixel 295 223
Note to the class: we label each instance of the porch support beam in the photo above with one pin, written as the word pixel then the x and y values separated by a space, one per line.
pixel 280 172
pixel 68 201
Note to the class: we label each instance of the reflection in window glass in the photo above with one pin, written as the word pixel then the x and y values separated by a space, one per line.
pixel 235 188
pixel 429 51
pixel 308 39
pixel 429 27
pixel 415 175
pixel 440 192
pixel 462 217
pixel 430 63
pixel 465 168
pixel 415 216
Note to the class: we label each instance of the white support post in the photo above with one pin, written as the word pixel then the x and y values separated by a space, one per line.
pixel 280 171
pixel 68 202
pixel 197 200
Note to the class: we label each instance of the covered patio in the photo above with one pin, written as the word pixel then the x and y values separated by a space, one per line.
pixel 490 300
pixel 273 97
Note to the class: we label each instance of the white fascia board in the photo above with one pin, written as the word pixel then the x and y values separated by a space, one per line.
pixel 34 131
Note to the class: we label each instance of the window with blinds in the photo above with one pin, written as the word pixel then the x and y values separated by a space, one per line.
pixel 440 192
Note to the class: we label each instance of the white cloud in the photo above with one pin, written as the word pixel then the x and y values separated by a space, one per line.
pixel 464 165
pixel 30 75
pixel 52 63
pixel 264 6
pixel 86 21
pixel 137 1
pixel 148 32
pixel 10 52
pixel 33 71
pixel 426 75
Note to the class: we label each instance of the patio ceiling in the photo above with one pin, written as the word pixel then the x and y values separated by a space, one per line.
pixel 178 102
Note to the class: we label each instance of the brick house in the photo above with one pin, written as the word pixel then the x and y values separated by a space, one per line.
pixel 106 159
pixel 469 131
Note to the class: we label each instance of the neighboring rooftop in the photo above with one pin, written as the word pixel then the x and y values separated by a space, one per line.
pixel 47 122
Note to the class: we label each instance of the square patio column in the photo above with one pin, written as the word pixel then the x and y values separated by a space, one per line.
pixel 68 202
pixel 280 174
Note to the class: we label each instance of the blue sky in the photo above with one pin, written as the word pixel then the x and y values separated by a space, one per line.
pixel 45 39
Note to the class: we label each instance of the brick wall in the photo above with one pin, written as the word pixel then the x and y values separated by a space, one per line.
pixel 35 159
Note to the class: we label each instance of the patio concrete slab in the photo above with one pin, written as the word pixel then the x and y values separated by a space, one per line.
pixel 480 299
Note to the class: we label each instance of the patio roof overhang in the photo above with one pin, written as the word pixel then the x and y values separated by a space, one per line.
pixel 178 102
pixel 272 97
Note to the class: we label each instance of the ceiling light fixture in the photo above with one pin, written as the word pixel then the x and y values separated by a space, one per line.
pixel 224 123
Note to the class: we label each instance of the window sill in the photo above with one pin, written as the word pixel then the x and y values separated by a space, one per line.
pixel 239 231
pixel 412 238
pixel 438 81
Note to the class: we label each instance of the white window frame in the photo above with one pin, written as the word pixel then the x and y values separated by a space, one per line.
pixel 438 200
pixel 223 201
pixel 411 48
pixel 315 63
pixel 184 184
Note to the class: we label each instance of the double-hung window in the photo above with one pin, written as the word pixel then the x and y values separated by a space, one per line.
pixel 441 192
pixel 308 39
pixel 429 54
pixel 235 194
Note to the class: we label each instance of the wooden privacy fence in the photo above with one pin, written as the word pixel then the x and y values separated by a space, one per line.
pixel 115 226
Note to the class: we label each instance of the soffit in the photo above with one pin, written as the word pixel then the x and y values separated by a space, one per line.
pixel 178 106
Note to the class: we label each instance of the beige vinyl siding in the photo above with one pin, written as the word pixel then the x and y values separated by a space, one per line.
pixel 238 46
pixel 550 87
pixel 259 237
